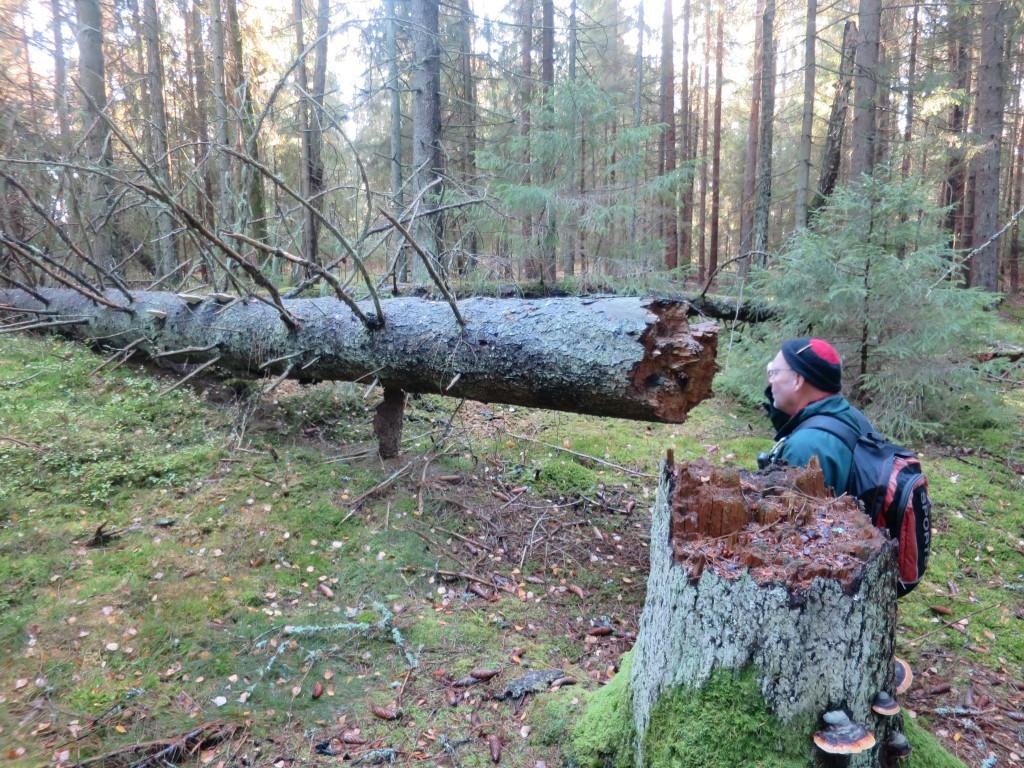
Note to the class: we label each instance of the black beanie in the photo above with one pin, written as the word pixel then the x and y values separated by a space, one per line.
pixel 816 360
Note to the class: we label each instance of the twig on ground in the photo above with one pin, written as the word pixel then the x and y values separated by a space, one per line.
pixel 627 470
pixel 179 382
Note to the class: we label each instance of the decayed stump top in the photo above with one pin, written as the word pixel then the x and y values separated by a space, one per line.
pixel 779 526
pixel 766 571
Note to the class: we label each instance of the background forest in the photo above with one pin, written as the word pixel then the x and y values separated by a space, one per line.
pixel 232 572
pixel 596 146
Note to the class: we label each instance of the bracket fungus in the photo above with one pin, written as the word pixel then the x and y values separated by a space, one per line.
pixel 885 705
pixel 897 746
pixel 904 676
pixel 842 736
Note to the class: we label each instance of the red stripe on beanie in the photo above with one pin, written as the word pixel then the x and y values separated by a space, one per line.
pixel 825 351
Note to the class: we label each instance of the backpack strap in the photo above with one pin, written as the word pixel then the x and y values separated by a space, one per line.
pixel 833 426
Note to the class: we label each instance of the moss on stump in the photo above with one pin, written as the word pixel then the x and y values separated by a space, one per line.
pixel 723 724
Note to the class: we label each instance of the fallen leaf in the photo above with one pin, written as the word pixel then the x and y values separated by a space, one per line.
pixel 219 701
pixel 578 591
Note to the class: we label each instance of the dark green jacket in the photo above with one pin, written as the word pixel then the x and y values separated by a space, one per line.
pixel 796 445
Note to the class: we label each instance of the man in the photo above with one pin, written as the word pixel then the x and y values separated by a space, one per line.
pixel 804 380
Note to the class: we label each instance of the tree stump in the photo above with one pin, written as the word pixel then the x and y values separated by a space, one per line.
pixel 764 576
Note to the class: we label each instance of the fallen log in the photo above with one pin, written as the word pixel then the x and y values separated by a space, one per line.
pixel 770 604
pixel 617 356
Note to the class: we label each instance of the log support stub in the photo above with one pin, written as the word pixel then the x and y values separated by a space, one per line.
pixel 387 422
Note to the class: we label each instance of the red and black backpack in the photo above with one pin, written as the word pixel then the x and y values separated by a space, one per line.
pixel 891 485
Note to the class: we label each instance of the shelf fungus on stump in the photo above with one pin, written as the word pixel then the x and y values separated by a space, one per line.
pixel 904 676
pixel 885 705
pixel 842 736
pixel 897 746
pixel 767 574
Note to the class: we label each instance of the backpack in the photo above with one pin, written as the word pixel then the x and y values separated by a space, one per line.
pixel 893 489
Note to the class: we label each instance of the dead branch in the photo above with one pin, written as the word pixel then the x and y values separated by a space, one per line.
pixel 442 286
pixel 26 254
pixel 312 266
pixel 320 217
pixel 45 216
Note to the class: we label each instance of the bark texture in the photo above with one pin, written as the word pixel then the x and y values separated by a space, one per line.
pixel 984 265
pixel 862 157
pixel 729 589
pixel 626 357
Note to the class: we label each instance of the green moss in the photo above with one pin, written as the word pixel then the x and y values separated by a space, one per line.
pixel 564 477
pixel 927 752
pixel 723 724
pixel 552 716
pixel 604 735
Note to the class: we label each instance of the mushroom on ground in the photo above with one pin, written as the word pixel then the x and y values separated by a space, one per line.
pixel 885 705
pixel 898 746
pixel 842 736
pixel 904 676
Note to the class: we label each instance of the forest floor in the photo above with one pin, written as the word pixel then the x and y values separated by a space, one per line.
pixel 241 579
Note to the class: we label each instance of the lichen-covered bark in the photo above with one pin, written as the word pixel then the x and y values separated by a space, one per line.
pixel 626 357
pixel 813 649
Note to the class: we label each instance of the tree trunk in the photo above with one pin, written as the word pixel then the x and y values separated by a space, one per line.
pixel 426 127
pixel 467 111
pixel 984 266
pixel 803 165
pixel 625 357
pixel 763 192
pixel 310 223
pixel 869 19
pixel 638 90
pixel 317 116
pixel 395 131
pixel 531 266
pixel 60 78
pixel 196 54
pixel 1013 288
pixel 251 181
pixel 811 624
pixel 167 242
pixel 549 242
pixel 574 160
pixel 716 149
pixel 702 225
pixel 953 191
pixel 686 148
pixel 908 129
pixel 103 235
pixel 225 204
pixel 753 132
pixel 833 152
pixel 667 142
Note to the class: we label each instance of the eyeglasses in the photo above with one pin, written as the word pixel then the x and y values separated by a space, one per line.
pixel 773 372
